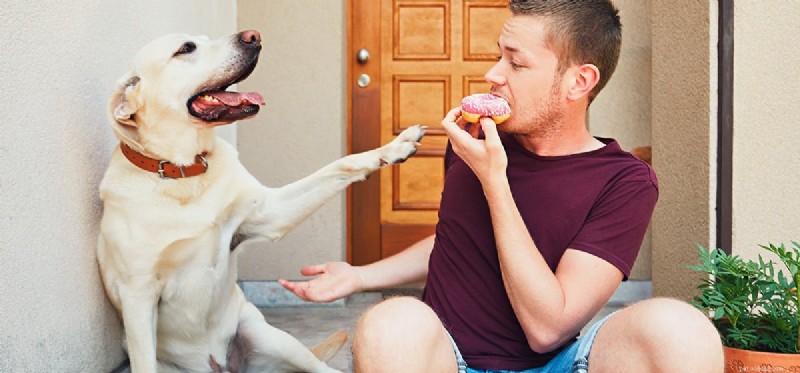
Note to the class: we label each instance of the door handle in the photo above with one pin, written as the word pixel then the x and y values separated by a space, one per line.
pixel 362 56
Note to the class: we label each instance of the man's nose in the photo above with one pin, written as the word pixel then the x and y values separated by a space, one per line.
pixel 495 76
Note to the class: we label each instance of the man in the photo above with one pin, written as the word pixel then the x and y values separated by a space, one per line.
pixel 539 223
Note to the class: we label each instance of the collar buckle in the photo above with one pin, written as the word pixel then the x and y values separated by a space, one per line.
pixel 161 170
pixel 164 176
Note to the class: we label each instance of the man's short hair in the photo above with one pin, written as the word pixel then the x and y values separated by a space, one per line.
pixel 579 32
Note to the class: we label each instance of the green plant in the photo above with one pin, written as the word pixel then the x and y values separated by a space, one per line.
pixel 754 306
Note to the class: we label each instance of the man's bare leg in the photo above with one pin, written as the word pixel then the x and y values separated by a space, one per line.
pixel 654 336
pixel 402 334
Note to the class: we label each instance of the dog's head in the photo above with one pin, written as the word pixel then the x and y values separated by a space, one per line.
pixel 177 84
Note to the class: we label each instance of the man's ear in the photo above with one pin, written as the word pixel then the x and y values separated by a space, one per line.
pixel 123 107
pixel 585 78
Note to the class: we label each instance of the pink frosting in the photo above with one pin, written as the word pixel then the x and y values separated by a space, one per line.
pixel 485 104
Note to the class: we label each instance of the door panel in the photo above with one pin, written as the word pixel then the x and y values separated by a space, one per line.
pixel 431 53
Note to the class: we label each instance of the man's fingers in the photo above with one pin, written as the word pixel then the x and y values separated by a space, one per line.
pixel 490 130
pixel 455 133
pixel 292 287
pixel 312 270
pixel 453 114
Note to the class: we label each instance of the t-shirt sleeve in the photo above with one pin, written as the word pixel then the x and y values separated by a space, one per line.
pixel 617 222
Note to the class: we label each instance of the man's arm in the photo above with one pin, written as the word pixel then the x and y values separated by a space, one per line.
pixel 550 307
pixel 406 267
pixel 338 279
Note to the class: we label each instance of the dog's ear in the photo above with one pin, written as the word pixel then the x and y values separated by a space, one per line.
pixel 124 101
pixel 123 106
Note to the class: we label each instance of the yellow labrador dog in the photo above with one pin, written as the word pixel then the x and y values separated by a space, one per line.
pixel 177 201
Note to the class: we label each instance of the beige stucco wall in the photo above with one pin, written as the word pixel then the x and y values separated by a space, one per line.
pixel 58 62
pixel 301 128
pixel 622 110
pixel 766 194
pixel 684 138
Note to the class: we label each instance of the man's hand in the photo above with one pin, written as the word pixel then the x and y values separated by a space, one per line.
pixel 334 280
pixel 486 157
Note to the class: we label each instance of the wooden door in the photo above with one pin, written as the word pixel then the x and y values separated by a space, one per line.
pixel 425 55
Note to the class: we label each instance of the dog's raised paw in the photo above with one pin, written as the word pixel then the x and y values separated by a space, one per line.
pixel 403 146
pixel 413 133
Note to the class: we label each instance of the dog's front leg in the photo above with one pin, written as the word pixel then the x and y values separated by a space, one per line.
pixel 139 300
pixel 279 210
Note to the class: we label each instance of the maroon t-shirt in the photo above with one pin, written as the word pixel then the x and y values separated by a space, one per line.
pixel 599 202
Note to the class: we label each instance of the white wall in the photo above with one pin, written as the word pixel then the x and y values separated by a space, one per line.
pixel 58 62
pixel 301 128
pixel 766 167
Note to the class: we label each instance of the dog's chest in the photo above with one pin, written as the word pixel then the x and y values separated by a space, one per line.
pixel 185 248
pixel 196 293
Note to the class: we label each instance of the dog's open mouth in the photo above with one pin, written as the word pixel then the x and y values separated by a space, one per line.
pixel 215 106
pixel 218 105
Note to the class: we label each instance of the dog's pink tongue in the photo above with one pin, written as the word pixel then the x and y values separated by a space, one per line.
pixel 237 98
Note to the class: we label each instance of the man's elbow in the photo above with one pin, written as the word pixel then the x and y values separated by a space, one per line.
pixel 544 341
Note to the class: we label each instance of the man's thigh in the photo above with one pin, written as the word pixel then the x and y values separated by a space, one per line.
pixel 402 334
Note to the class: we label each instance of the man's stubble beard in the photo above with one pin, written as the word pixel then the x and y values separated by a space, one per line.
pixel 549 120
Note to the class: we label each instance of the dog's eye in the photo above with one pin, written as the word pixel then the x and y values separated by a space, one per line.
pixel 186 48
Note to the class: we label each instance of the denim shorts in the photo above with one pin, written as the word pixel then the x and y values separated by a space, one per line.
pixel 573 359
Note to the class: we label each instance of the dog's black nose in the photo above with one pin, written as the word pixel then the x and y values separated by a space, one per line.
pixel 250 37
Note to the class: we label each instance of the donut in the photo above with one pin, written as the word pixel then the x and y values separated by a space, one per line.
pixel 473 107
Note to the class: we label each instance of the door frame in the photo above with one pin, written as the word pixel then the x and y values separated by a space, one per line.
pixel 363 130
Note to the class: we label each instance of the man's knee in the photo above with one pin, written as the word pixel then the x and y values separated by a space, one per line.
pixel 390 319
pixel 402 334
pixel 651 333
pixel 664 317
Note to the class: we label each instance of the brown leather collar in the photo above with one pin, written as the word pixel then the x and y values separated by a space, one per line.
pixel 164 169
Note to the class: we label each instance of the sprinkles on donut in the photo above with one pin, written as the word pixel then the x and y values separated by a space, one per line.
pixel 473 107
